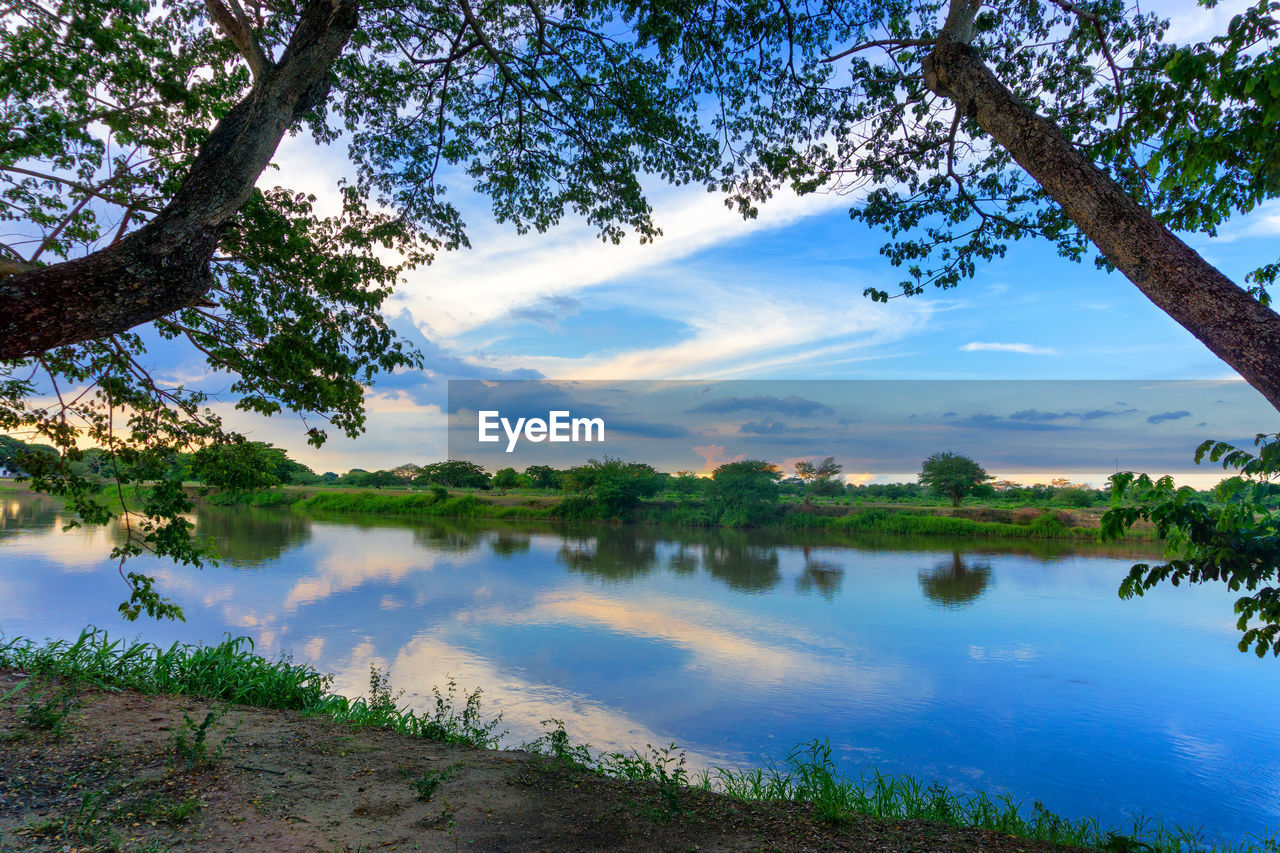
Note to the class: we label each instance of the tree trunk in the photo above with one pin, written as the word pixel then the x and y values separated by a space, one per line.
pixel 164 265
pixel 1232 324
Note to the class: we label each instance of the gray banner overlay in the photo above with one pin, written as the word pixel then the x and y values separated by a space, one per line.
pixel 880 430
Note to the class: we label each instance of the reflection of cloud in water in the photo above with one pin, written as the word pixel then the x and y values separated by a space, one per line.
pixel 81 550
pixel 1003 654
pixel 425 662
pixel 350 561
pixel 735 647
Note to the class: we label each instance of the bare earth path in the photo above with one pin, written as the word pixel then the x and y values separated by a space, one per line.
pixel 111 779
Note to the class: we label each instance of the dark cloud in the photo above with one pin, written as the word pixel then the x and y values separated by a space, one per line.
pixel 548 312
pixel 1037 415
pixel 1169 416
pixel 949 415
pixel 788 405
pixel 769 426
pixel 646 429
pixel 986 420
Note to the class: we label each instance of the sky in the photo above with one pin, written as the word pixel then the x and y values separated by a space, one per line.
pixel 717 297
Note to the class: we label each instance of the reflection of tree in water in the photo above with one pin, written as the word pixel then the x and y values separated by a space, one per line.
pixel 685 560
pixel 624 553
pixel 732 556
pixel 456 536
pixel 504 543
pixel 955 583
pixel 28 512
pixel 251 536
pixel 821 575
pixel 613 553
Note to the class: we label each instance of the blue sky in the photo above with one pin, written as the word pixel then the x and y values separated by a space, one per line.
pixel 720 298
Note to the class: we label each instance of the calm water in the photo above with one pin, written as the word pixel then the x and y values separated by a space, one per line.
pixel 983 665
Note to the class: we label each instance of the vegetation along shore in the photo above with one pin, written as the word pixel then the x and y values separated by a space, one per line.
pixel 115 746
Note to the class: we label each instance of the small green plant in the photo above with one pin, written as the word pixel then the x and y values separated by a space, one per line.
pixel 664 767
pixel 428 782
pixel 555 742
pixel 450 725
pixel 191 740
pixel 50 714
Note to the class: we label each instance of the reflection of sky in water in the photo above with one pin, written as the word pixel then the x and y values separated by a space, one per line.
pixel 1005 668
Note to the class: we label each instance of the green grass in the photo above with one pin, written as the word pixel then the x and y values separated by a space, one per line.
pixel 460 506
pixel 687 514
pixel 1046 526
pixel 231 671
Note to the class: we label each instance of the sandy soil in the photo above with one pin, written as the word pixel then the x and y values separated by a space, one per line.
pixel 108 776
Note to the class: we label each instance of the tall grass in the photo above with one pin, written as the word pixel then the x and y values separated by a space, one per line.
pixel 233 672
pixel 878 520
pixel 809 775
pixel 462 506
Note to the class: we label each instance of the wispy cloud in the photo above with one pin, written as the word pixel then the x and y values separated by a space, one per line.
pixel 465 290
pixel 1026 349
pixel 1169 416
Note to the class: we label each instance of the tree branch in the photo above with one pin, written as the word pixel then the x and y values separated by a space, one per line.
pixel 233 21
pixel 165 264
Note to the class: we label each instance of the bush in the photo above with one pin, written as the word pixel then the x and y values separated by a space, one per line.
pixel 1026 515
pixel 576 508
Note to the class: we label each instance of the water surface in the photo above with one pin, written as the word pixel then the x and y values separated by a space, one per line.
pixel 1007 667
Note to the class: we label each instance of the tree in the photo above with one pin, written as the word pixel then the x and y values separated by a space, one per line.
pixel 744 493
pixel 556 109
pixel 820 479
pixel 1234 538
pixel 543 476
pixel 972 128
pixel 454 474
pixel 505 478
pixel 952 475
pixel 238 464
pixel 617 486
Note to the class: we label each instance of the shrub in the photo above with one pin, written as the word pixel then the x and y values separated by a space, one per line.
pixel 1026 515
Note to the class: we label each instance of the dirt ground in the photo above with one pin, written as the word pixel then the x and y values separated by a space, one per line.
pixel 123 771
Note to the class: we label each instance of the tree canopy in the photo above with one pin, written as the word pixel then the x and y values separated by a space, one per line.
pixel 136 137
pixel 953 475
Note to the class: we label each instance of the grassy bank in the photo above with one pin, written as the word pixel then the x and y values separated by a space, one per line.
pixel 232 672
pixel 1032 524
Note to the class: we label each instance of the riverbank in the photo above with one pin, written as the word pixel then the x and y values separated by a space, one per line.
pixel 974 521
pixel 105 746
pixel 977 521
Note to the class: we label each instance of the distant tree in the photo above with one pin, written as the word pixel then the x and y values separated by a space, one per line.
pixel 381 479
pixel 505 478
pixel 1075 497
pixel 744 493
pixel 615 485
pixel 406 473
pixel 237 464
pixel 354 477
pixel 543 476
pixel 952 475
pixel 329 477
pixel 453 474
pixel 820 479
pixel 686 484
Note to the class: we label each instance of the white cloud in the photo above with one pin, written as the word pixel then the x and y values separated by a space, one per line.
pixel 465 290
pixel 1027 349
